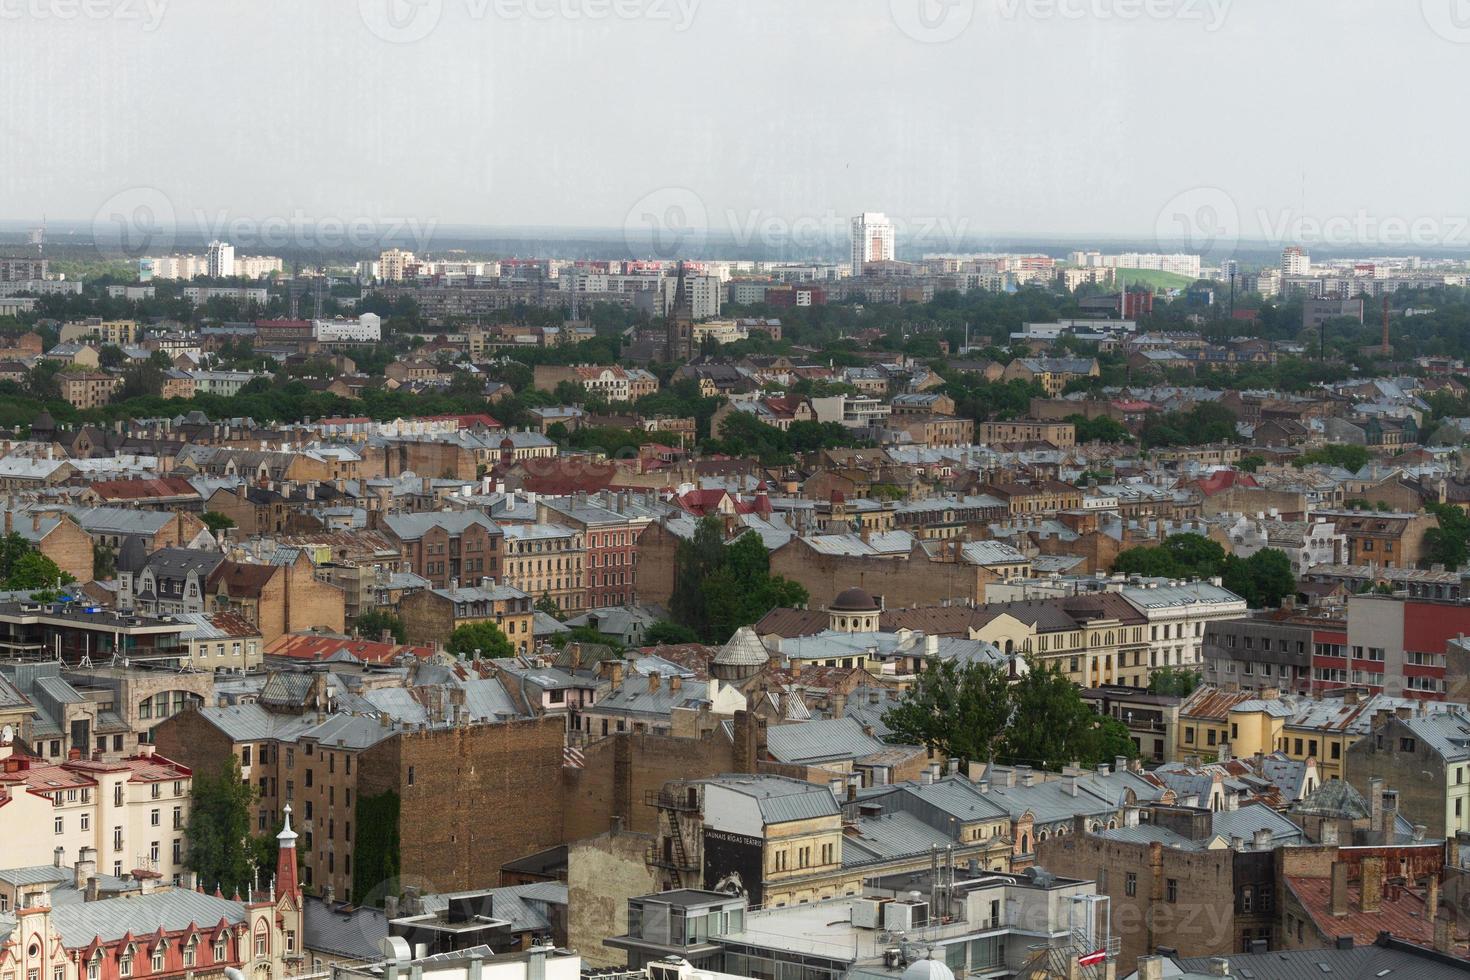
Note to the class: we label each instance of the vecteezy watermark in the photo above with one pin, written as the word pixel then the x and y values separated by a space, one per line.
pixel 407 21
pixel 1201 221
pixel 932 21
pixel 674 222
pixel 669 223
pixel 1288 227
pixel 134 222
pixel 301 230
pixel 143 221
pixel 1450 19
pixel 1211 14
pixel 146 13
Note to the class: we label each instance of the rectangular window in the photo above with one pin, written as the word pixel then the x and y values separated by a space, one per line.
pixel 1171 890
pixel 1130 884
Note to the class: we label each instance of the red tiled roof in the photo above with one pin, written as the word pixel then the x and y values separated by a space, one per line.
pixel 1213 703
pixel 313 648
pixel 466 421
pixel 163 486
pixel 1402 914
pixel 1222 480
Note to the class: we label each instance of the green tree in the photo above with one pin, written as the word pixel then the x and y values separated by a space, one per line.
pixel 1345 455
pixel 1263 579
pixel 1051 726
pixel 104 561
pixel 1173 681
pixel 695 560
pixel 220 850
pixel 665 631
pixel 976 712
pixel 111 356
pixel 1251 463
pixel 1099 429
pixel 34 570
pixel 1180 556
pixel 960 711
pixel 374 622
pixel 216 522
pixel 485 637
pixel 1446 544
pixel 718 588
pixel 549 606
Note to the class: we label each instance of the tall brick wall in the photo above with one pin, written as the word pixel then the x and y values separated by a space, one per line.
pixel 622 768
pixel 188 739
pixel 901 582
pixel 1201 922
pixel 481 795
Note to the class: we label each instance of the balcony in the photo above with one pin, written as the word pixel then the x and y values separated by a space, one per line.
pixel 682 802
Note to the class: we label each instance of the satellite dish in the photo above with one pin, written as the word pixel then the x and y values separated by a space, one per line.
pixel 7 735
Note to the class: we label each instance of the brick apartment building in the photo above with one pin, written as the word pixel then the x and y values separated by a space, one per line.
pixel 368 795
pixel 87 389
pixel 448 548
pixel 610 530
pixel 434 614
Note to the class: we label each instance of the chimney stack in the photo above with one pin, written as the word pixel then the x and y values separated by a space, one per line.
pixel 653 681
pixel 1339 899
pixel 1372 883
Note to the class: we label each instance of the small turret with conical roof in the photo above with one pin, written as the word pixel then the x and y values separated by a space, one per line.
pixel 742 656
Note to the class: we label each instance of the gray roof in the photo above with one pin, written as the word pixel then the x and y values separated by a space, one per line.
pixel 525 907
pixel 1244 823
pixel 1051 801
pixel 351 933
pixel 634 697
pixel 889 836
pixel 780 798
pixel 824 740
pixel 410 527
pixel 1358 963
pixel 111 919
pixel 1334 798
pixel 120 520
pixel 1447 734
pixel 39 874
pixel 252 723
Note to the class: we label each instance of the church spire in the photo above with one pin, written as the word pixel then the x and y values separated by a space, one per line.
pixel 285 883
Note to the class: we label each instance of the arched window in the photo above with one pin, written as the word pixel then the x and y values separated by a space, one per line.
pixel 1025 843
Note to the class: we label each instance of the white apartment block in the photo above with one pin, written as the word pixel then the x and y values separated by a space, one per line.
pixel 393 265
pixel 240 294
pixel 132 813
pixel 705 294
pixel 1295 261
pixel 367 328
pixel 1178 613
pixel 183 266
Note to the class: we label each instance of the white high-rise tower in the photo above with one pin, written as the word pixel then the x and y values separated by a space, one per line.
pixel 872 240
pixel 220 261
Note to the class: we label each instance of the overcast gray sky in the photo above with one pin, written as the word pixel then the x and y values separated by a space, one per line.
pixel 995 116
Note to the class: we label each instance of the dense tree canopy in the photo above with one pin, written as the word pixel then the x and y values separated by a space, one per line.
pixel 375 622
pixel 975 713
pixel 484 637
pixel 718 587
pixel 1263 579
pixel 220 848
